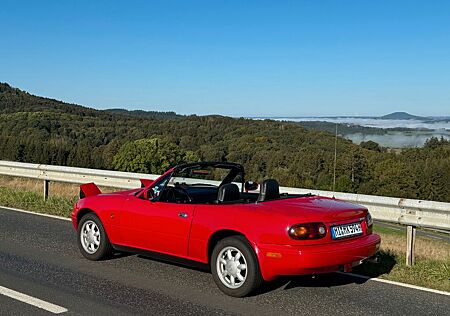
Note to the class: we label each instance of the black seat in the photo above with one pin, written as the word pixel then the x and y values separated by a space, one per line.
pixel 270 190
pixel 228 192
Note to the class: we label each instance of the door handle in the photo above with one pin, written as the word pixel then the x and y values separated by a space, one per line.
pixel 182 214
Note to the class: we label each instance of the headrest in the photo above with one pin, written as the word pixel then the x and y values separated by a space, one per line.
pixel 228 192
pixel 270 190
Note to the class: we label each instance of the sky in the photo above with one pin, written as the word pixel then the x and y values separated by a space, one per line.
pixel 237 58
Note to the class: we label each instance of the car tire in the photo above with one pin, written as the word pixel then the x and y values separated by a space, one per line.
pixel 92 239
pixel 234 267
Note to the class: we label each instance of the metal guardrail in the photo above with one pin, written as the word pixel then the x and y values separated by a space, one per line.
pixel 115 179
pixel 418 213
pixel 410 212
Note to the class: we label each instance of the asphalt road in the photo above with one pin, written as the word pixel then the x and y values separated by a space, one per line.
pixel 39 257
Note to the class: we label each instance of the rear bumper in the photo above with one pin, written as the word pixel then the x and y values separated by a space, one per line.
pixel 278 260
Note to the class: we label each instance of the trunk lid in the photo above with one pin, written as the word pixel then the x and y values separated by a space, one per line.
pixel 328 211
pixel 316 209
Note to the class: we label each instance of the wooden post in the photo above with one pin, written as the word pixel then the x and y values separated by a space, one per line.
pixel 410 244
pixel 46 185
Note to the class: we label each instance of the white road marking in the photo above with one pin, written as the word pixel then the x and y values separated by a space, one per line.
pixel 415 287
pixel 34 213
pixel 49 307
pixel 442 231
pixel 434 237
pixel 392 227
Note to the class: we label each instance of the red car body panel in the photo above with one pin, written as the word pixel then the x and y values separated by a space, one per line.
pixel 156 226
pixel 89 189
pixel 185 230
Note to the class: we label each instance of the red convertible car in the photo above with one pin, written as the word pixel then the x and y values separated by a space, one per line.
pixel 245 237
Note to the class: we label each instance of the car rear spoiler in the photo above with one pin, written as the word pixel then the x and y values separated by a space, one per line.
pixel 145 182
pixel 89 189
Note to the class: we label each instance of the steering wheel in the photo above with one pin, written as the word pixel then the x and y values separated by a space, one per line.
pixel 179 195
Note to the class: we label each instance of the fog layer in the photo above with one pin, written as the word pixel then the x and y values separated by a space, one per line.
pixel 415 137
pixel 372 122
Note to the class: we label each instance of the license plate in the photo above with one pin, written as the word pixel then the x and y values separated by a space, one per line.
pixel 347 230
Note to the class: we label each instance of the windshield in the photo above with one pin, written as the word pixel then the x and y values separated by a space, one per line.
pixel 206 175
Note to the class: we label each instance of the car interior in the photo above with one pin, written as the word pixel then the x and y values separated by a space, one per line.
pixel 198 184
pixel 228 193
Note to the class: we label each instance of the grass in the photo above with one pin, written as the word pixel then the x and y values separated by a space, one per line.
pixel 426 248
pixel 432 267
pixel 432 261
pixel 33 201
pixel 28 194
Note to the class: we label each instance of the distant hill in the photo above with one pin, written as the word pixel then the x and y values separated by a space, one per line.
pixel 13 100
pixel 141 113
pixel 402 116
pixel 5 87
pixel 43 130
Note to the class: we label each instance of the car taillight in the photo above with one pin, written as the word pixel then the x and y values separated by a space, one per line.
pixel 308 231
pixel 369 222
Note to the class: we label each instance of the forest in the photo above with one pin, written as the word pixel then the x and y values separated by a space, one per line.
pixel 42 130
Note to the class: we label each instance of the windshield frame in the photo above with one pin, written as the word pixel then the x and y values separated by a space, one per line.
pixel 234 170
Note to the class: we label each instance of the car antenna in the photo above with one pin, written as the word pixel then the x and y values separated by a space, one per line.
pixel 335 158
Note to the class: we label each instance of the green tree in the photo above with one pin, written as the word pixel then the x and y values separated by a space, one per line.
pixel 153 155
pixel 370 145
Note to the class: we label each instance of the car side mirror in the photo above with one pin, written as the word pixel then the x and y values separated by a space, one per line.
pixel 251 186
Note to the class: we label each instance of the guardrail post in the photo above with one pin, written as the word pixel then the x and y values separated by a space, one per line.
pixel 410 244
pixel 46 185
